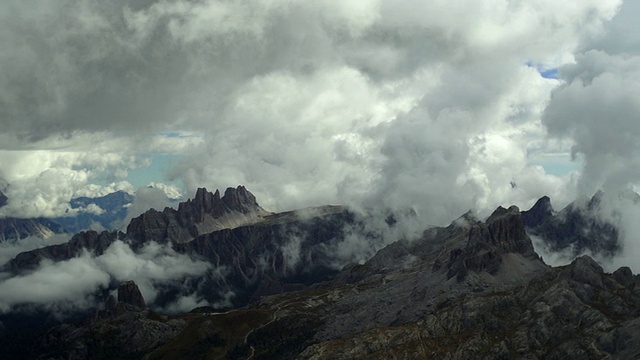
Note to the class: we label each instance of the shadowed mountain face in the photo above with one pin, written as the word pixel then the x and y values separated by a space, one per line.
pixel 577 228
pixel 258 253
pixel 203 214
pixel 474 289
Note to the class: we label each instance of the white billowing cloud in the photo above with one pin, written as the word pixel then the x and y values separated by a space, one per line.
pixel 41 183
pixel 153 264
pixel 92 209
pixel 9 249
pixel 185 304
pixel 393 112
pixel 599 108
pixel 171 191
pixel 286 135
pixel 94 190
pixel 148 198
pixel 70 284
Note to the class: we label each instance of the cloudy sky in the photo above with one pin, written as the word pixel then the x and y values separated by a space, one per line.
pixel 437 105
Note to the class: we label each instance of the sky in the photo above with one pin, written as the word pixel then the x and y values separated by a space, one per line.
pixel 439 106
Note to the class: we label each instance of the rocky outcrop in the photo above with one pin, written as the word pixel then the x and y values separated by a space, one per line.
pixel 541 211
pixel 473 289
pixel 91 241
pixel 129 332
pixel 129 293
pixel 205 213
pixel 285 251
pixel 578 228
pixel 576 311
pixel 487 243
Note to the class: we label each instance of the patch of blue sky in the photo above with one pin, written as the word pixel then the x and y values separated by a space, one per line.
pixel 558 164
pixel 155 172
pixel 178 134
pixel 549 73
pixel 545 72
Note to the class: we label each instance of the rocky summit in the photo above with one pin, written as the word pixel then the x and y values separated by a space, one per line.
pixel 474 289
pixel 577 228
pixel 205 213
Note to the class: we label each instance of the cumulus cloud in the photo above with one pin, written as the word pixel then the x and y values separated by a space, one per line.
pixel 71 282
pixel 153 264
pixel 597 106
pixel 412 125
pixel 171 191
pixel 9 249
pixel 71 285
pixel 435 106
pixel 148 198
pixel 94 190
pixel 41 183
pixel 303 102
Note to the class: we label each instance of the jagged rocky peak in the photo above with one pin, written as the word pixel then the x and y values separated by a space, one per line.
pixel 205 213
pixel 129 293
pixel 585 270
pixel 234 200
pixel 488 243
pixel 541 211
pixel 507 231
pixel 578 227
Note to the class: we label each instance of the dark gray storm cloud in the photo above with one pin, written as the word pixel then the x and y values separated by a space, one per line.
pixel 598 106
pixel 403 103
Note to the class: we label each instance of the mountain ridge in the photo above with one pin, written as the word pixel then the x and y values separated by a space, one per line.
pixel 474 288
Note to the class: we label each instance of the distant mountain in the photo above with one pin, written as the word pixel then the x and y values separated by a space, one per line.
pixel 577 228
pixel 14 229
pixel 261 252
pixel 472 290
pixel 100 213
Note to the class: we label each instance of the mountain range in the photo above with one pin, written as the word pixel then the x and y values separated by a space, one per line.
pixel 289 285
pixel 102 213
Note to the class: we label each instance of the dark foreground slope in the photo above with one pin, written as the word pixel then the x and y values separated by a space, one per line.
pixel 472 290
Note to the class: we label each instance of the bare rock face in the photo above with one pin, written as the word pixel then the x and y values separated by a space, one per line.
pixel 129 293
pixel 502 233
pixel 12 229
pixel 205 213
pixel 471 290
pixel 539 213
pixel 92 241
pixel 577 227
